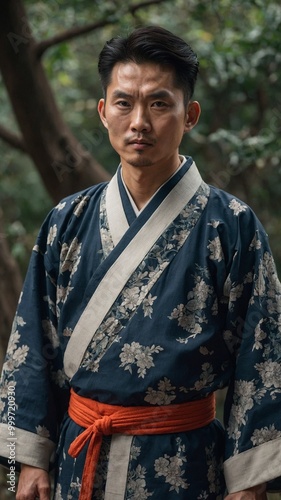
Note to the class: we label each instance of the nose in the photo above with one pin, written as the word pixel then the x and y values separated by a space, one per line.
pixel 140 121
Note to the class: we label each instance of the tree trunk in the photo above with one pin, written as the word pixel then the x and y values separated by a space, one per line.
pixel 10 288
pixel 64 165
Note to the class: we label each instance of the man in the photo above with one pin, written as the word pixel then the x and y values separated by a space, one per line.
pixel 143 297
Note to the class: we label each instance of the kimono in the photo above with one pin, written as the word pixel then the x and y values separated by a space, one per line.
pixel 156 309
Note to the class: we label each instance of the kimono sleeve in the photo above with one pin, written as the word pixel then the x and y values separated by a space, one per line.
pixel 253 402
pixel 31 404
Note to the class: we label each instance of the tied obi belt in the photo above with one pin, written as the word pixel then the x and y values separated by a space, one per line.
pixel 101 419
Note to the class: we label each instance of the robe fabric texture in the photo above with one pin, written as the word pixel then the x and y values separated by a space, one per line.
pixel 156 309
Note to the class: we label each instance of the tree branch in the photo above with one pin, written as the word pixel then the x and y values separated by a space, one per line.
pixel 65 165
pixel 68 34
pixel 76 31
pixel 14 140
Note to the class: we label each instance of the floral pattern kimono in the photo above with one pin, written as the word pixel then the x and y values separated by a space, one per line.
pixel 158 308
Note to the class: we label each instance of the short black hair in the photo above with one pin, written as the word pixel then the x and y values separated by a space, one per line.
pixel 151 44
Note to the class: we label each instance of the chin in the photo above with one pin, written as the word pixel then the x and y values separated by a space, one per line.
pixel 140 162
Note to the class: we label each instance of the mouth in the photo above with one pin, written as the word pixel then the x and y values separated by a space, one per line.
pixel 140 144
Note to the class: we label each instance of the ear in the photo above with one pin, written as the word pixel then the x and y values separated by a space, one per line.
pixel 101 110
pixel 192 115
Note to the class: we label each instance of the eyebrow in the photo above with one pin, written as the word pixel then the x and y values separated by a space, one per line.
pixel 158 94
pixel 120 93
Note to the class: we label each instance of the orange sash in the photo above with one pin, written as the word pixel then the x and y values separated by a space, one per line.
pixel 101 419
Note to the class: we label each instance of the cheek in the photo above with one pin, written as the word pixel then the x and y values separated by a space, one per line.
pixel 173 131
pixel 115 132
pixel 116 136
pixel 116 124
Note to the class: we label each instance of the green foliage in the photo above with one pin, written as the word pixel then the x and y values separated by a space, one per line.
pixel 237 143
pixel 23 201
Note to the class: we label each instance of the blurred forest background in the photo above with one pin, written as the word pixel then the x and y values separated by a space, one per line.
pixel 51 140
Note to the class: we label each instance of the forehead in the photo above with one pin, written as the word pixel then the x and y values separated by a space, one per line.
pixel 144 77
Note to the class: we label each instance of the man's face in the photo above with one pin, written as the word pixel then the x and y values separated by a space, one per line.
pixel 145 114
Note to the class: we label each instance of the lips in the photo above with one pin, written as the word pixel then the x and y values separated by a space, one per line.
pixel 140 142
pixel 139 146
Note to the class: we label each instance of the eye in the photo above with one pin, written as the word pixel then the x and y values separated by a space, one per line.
pixel 123 104
pixel 159 104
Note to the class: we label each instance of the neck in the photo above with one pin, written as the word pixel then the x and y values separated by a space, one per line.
pixel 143 182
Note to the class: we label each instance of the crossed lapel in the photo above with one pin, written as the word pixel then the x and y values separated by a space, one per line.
pixel 134 247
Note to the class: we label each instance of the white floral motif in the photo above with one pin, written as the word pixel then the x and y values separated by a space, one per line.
pixel 255 243
pixel 237 207
pixel 131 297
pixel 69 261
pixel 101 471
pixel 271 292
pixel 215 248
pixel 51 304
pixel 135 451
pixel 58 493
pixel 74 487
pixel 230 340
pixel 137 484
pixel 190 316
pixel 202 200
pixel 107 333
pixel 180 237
pixel 15 357
pixel 83 200
pixel 52 234
pixel 63 292
pixel 265 434
pixel 214 223
pixel 106 240
pixel 248 278
pixel 171 469
pixel 134 296
pixel 42 431
pixel 214 469
pixel 4 388
pixel 235 293
pixel 60 206
pixel 270 372
pixel 203 496
pixel 70 255
pixel 147 305
pixel 243 402
pixel 36 248
pixel 260 335
pixel 59 377
pixel 13 342
pixel 135 353
pixel 206 378
pixel 205 351
pixel 163 396
pixel 19 356
pixel 67 332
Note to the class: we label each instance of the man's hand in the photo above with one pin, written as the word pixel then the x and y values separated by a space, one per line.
pixel 33 483
pixel 255 493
